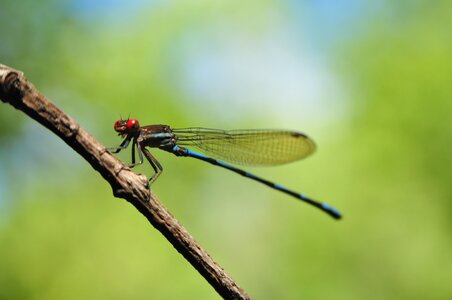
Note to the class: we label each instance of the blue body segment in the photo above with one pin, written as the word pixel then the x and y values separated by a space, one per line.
pixel 161 135
pixel 195 154
pixel 322 206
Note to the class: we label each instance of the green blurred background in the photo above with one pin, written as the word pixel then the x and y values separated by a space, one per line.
pixel 369 82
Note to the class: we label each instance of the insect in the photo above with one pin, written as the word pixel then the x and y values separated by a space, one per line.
pixel 259 147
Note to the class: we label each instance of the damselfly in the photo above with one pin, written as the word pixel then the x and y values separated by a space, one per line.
pixel 247 147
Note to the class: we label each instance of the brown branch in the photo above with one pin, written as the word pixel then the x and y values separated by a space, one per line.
pixel 21 94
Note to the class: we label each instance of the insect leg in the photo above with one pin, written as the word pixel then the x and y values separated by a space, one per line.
pixel 158 169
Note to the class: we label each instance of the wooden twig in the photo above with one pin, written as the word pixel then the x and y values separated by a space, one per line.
pixel 17 91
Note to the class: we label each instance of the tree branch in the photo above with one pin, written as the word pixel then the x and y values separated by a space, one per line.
pixel 17 91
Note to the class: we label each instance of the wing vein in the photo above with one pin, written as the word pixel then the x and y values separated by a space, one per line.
pixel 258 147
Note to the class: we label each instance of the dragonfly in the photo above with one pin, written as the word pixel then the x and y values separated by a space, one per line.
pixel 253 147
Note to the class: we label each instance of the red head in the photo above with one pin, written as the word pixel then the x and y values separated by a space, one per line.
pixel 125 127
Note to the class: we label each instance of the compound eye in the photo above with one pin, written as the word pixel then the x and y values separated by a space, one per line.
pixel 119 125
pixel 131 124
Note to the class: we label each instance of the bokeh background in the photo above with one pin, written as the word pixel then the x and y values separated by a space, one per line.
pixel 370 82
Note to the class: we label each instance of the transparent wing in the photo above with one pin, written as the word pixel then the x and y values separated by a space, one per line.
pixel 247 147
